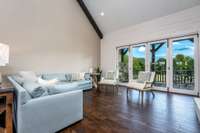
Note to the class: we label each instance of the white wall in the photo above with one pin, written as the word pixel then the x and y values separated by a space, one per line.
pixel 47 36
pixel 183 22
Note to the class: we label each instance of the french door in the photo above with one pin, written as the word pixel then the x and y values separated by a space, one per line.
pixel 183 65
pixel 158 59
pixel 175 62
pixel 123 64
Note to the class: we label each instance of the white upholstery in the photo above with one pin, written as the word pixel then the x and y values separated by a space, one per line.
pixel 109 79
pixel 136 85
pixel 108 82
pixel 144 82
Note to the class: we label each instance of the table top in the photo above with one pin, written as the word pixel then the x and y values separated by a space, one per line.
pixel 6 88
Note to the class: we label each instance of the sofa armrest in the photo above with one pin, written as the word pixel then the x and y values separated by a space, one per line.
pixel 21 94
pixel 87 76
pixel 53 111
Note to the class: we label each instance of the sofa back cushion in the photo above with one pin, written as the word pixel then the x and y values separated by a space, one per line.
pixel 77 76
pixel 58 76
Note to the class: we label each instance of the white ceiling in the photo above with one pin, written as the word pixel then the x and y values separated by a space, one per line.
pixel 123 13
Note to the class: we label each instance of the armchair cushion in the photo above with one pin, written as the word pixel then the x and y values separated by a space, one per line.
pixel 108 82
pixel 136 85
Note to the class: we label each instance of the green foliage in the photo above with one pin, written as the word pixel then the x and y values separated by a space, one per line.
pixel 138 65
pixel 182 62
pixel 123 72
pixel 98 70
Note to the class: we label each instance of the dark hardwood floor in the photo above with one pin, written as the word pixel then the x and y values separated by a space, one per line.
pixel 107 112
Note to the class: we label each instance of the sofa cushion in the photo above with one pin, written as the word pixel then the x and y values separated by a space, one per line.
pixel 35 89
pixel 28 76
pixel 47 82
pixel 84 84
pixel 62 87
pixel 59 76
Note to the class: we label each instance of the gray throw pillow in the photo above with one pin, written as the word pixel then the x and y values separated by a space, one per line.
pixel 35 89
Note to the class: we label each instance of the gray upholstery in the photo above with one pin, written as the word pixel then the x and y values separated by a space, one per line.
pixel 47 114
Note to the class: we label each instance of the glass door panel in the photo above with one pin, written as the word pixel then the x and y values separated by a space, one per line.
pixel 123 64
pixel 138 58
pixel 183 64
pixel 158 62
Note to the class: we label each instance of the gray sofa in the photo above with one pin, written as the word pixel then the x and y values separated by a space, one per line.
pixel 50 113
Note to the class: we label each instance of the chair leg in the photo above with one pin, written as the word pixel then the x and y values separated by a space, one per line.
pixel 152 93
pixel 113 90
pixel 142 92
pixel 127 93
pixel 117 89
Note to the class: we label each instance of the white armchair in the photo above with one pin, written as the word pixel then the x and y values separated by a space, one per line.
pixel 109 79
pixel 143 83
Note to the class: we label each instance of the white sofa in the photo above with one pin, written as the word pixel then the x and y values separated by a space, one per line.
pixel 46 114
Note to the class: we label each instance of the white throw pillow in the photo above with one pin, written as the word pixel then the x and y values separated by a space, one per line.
pixel 28 76
pixel 75 76
pixel 82 76
pixel 47 82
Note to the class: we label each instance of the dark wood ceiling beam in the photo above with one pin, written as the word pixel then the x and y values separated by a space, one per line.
pixel 90 18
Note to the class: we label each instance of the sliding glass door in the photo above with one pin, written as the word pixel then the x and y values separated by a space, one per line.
pixel 158 62
pixel 184 65
pixel 138 60
pixel 175 62
pixel 123 64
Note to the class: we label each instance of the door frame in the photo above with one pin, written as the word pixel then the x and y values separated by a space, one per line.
pixel 118 58
pixel 149 62
pixel 169 67
pixel 196 69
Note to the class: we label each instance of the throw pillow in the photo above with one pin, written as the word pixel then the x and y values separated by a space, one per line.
pixel 82 76
pixel 47 82
pixel 28 76
pixel 75 77
pixel 35 89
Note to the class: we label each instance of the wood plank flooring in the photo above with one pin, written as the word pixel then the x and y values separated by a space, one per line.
pixel 109 112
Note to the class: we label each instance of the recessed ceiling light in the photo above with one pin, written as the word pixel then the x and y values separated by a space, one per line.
pixel 102 14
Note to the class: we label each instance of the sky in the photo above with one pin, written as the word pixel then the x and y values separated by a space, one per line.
pixel 185 47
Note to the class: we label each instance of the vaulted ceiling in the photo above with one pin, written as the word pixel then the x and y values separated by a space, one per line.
pixel 123 13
